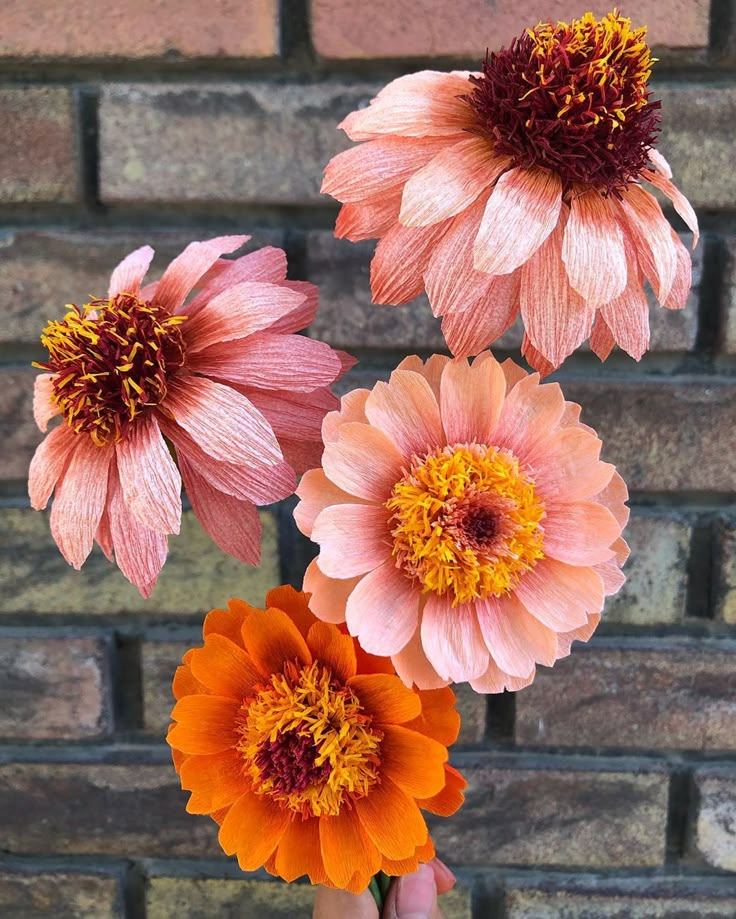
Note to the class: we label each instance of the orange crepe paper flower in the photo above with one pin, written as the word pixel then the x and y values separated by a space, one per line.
pixel 312 756
pixel 466 525
pixel 155 386
pixel 520 189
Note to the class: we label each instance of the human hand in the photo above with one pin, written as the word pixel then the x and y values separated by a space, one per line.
pixel 411 897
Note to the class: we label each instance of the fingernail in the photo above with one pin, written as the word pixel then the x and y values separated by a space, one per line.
pixel 444 872
pixel 416 894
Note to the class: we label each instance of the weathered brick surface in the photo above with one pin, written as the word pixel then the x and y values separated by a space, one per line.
pixel 715 826
pixel 728 331
pixel 18 432
pixel 172 29
pixel 40 272
pixel 472 709
pixel 196 577
pixel 59 895
pixel 222 142
pixel 556 817
pixel 82 809
pixel 350 29
pixel 725 575
pixel 54 688
pixel 654 694
pixel 38 155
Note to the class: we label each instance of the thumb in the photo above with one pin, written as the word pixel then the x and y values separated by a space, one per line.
pixel 339 904
pixel 413 896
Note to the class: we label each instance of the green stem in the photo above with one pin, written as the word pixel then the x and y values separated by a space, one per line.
pixel 379 887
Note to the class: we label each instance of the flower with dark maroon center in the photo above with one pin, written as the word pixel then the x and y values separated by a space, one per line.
pixel 289 761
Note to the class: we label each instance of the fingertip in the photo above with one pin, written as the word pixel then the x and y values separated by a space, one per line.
pixel 443 877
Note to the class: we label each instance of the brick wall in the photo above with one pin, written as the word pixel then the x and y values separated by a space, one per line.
pixel 608 788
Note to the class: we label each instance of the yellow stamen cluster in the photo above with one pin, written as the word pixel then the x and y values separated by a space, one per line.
pixel 307 743
pixel 466 522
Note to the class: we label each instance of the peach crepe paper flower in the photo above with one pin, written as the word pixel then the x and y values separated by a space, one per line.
pixel 312 756
pixel 219 380
pixel 466 525
pixel 521 189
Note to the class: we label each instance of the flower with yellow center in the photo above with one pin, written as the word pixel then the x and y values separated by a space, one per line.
pixel 312 756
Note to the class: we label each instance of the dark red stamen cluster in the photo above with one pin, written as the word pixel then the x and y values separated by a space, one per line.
pixel 571 98
pixel 289 761
pixel 480 524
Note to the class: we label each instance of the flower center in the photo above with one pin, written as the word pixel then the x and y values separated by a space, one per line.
pixel 466 522
pixel 306 742
pixel 572 98
pixel 111 361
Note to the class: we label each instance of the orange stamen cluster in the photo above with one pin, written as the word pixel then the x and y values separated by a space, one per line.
pixel 573 98
pixel 111 360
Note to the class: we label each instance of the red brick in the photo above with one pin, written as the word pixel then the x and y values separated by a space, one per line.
pixel 714 839
pixel 173 29
pixel 556 817
pixel 729 298
pixel 656 694
pixel 54 688
pixel 59 895
pixel 18 431
pixel 255 143
pixel 351 29
pixel 38 155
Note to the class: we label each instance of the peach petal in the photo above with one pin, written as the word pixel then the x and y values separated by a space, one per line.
pixel 677 297
pixel 495 680
pixel 48 464
pixel 303 315
pixel 559 595
pixel 450 182
pixel 652 238
pixel 579 533
pixel 353 539
pixel 363 462
pixel 296 415
pixel 316 492
pixel 267 264
pixel 565 640
pixel 521 213
pixel 566 465
pixel 471 400
pixel 431 369
pixel 452 640
pixel 44 406
pixel 80 500
pixel 614 496
pixel 127 276
pixel 529 414
pixel 611 575
pixel 400 261
pixel 149 478
pixel 593 249
pixel 473 329
pixel 536 360
pixel 103 536
pixel 382 610
pixel 352 408
pixel 659 163
pixel 369 219
pixel 413 666
pixel 329 595
pixel 679 201
pixel 516 640
pixel 184 273
pixel 627 317
pixel 511 370
pixel 406 410
pixel 601 339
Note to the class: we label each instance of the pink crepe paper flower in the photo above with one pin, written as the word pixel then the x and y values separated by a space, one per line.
pixel 155 388
pixel 467 527
pixel 520 189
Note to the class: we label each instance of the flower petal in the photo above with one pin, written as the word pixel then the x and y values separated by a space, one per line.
pixel 579 533
pixel 333 649
pixel 452 640
pixel 406 410
pixel 449 800
pixel 352 539
pixel 363 462
pixel 187 268
pixel 392 820
pixel 517 641
pixel 559 595
pixel 329 595
pixel 413 666
pixel 347 850
pixel 316 492
pixel 48 464
pixel 224 668
pixel 601 339
pixel 400 261
pixel 369 219
pixel 383 609
pixel 149 478
pixel 484 321
pixel 679 201
pixel 204 724
pixel 385 698
pixel 439 718
pixel 127 276
pixel 299 852
pixel 471 400
pixel 252 829
pixel 413 761
pixel 271 639
pixel 44 406
pixel 652 238
pixel 215 781
pixel 267 264
pixel 593 249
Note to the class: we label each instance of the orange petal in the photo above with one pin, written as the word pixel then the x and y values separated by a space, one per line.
pixel 252 829
pixel 295 603
pixel 215 781
pixel 225 668
pixel 385 697
pixel 347 851
pixel 206 724
pixel 371 663
pixel 413 760
pixel 228 622
pixel 299 852
pixel 392 820
pixel 333 649
pixel 177 756
pixel 439 718
pixel 185 683
pixel 271 639
pixel 397 868
pixel 447 801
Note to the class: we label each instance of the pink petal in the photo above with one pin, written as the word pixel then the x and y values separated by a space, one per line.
pixel 413 667
pixel 297 415
pixel 677 297
pixel 48 464
pixel 659 163
pixel 601 339
pixel 44 406
pixel 363 462
pixel 183 274
pixel 450 182
pixel 431 370
pixel 149 478
pixel 316 492
pixel 628 319
pixel 406 410
pixel 611 575
pixel 383 609
pixel 304 314
pixel 103 536
pixel 232 524
pixel 80 500
pixel 140 552
pixel 271 362
pixel 521 213
pixel 369 219
pixel 593 249
pixel 353 539
pixel 529 413
pixel 329 595
pixel 376 167
pixel 238 312
pixel 517 641
pixel 566 467
pixel 679 201
pixel 579 533
pixel 470 331
pixel 536 360
pixel 400 260
pixel 559 595
pixel 452 640
pixel 352 408
pixel 556 317
pixel 223 422
pixel 495 680
pixel 614 496
pixel 127 277
pixel 471 400
pixel 265 265
pixel 565 640
pixel 652 238
pixel 301 455
pixel 512 371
